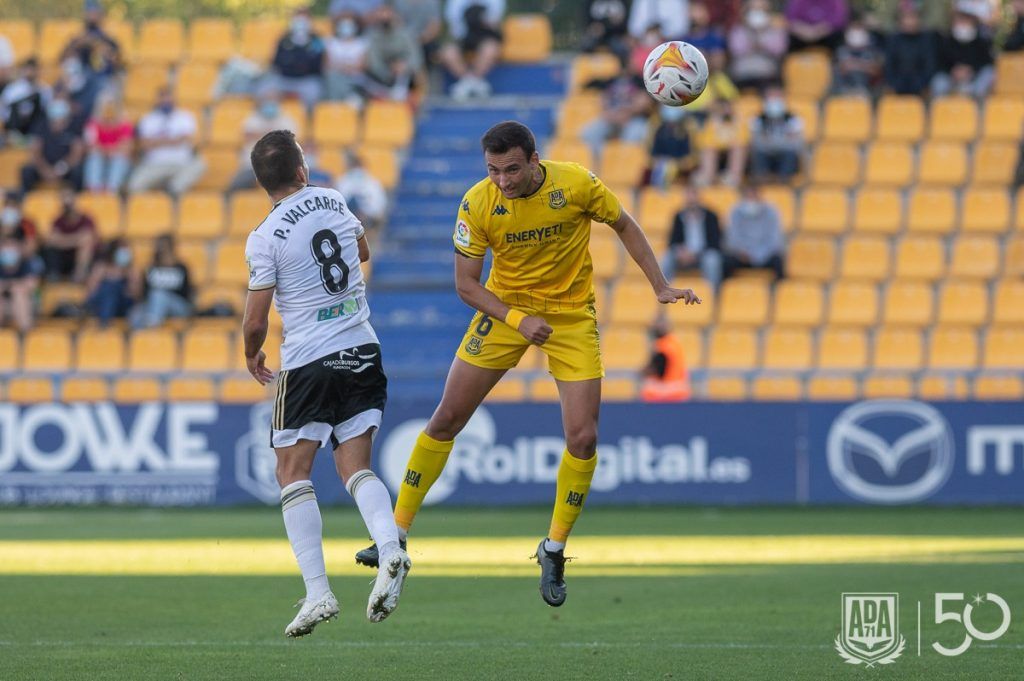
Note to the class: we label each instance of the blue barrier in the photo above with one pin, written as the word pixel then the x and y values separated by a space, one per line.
pixel 872 452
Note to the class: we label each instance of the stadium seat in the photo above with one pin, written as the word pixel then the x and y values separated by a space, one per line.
pixel 908 303
pixel 11 161
pixel 848 119
pixel 721 199
pixel 210 40
pixel 100 350
pixel 590 67
pixel 193 85
pixel 657 210
pixel 192 388
pixel 46 350
pixel 953 348
pixel 196 256
pixel 161 41
pixel 527 38
pixel 693 346
pixel 853 303
pixel 152 350
pixel 807 110
pixel 920 257
pixel 508 389
pixel 831 387
pixel 963 303
pixel 889 164
pixel 335 124
pixel 576 111
pixel 247 209
pixel 632 303
pixel 993 163
pixel 42 206
pixel 29 390
pixel 998 387
pixel 893 386
pixel 798 303
pixel 1013 265
pixel 105 210
pixel 900 119
pixel 811 257
pixel 898 349
pixel 836 163
pixel 623 163
pixel 84 389
pixel 807 74
pixel 780 196
pixel 136 389
pixel 942 386
pixel 568 149
pixel 229 266
pixel 54 36
pixel 865 258
pixel 777 388
pixel 206 350
pixel 200 215
pixel 985 210
pixel 1003 119
pixel 1008 302
pixel 242 390
pixel 624 348
pixel 21 36
pixel 227 121
pixel 878 210
pixel 388 124
pixel 726 388
pixel 932 209
pixel 142 83
pixel 975 257
pixel 842 349
pixel 953 119
pixel 942 164
pixel 259 39
pixel 1010 74
pixel 618 390
pixel 149 215
pixel 543 389
pixel 221 165
pixel 692 315
pixel 1004 348
pixel 825 210
pixel 10 349
pixel 743 302
pixel 56 294
pixel 787 348
pixel 380 162
pixel 606 254
pixel 232 296
pixel 732 348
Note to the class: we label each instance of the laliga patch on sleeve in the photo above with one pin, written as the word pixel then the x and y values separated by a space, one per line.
pixel 462 234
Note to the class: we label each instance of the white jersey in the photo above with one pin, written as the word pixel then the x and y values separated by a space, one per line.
pixel 307 249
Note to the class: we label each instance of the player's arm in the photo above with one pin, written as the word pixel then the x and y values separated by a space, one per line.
pixel 364 248
pixel 639 249
pixel 467 284
pixel 254 332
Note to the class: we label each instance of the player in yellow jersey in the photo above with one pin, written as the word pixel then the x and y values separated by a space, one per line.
pixel 535 216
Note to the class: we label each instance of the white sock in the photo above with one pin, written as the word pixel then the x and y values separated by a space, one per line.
pixel 305 532
pixel 553 545
pixel 403 534
pixel 374 504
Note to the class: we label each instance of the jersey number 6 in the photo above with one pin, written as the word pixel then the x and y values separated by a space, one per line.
pixel 333 270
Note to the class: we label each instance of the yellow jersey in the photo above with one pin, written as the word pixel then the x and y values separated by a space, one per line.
pixel 540 242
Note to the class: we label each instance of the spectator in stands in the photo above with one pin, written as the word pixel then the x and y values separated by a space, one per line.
pixel 80 87
pixel 606 27
pixel 706 37
pixel 725 13
pixel 723 146
pixel 69 247
pixel 642 49
pixel 475 26
pixel 719 86
pixel 422 18
pixel 672 17
pixel 757 45
pixel 393 59
pixel 345 61
pixel 6 62
pixel 299 60
pixel 57 152
pixel 166 291
pixel 754 238
pixel 858 61
pixel 911 56
pixel 695 243
pixel 365 10
pixel 966 62
pixel 626 109
pixel 16 226
pixel 167 137
pixel 366 196
pixel 113 284
pixel 666 378
pixel 18 284
pixel 98 52
pixel 318 175
pixel 108 140
pixel 673 153
pixel 776 139
pixel 23 102
pixel 1015 37
pixel 266 117
pixel 816 23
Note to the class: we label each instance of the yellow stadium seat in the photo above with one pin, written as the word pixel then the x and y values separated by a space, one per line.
pixel 1010 74
pixel 693 346
pixel 942 386
pixel 194 83
pixel 623 163
pixel 527 38
pixel 743 302
pixel 807 74
pixel 55 294
pixel 221 166
pixel 123 32
pixel 243 390
pixel 942 164
pixel 259 38
pixel 798 303
pixel 210 40
pixel 508 389
pixel 787 348
pixel 811 257
pixel 1014 263
pixel 567 149
pixel 877 386
pixel 196 256
pixel 1004 348
pixel 878 210
pixel 105 210
pixel 11 161
pixel 248 209
pixel 201 215
pixel 692 315
pixel 889 164
pixel 624 348
pixel 900 119
pixel 190 389
pixel 161 41
pixel 953 348
pixel 152 350
pixel 387 124
pixel 42 206
pixel 589 67
pixel 726 388
pixel 781 196
pixel 135 389
pixel 732 348
pixel 576 112
pixel 21 36
pixel 964 303
pixel 807 110
pixel 543 389
pixel 10 351
pixel 825 210
pixel 229 266
pixel 975 257
pixel 1003 119
pixel 932 209
pixel 998 387
pixel 836 163
pixel 54 36
pixel 1008 302
pixel 842 348
pixel 380 162
pixel 84 389
pixel 46 350
pixel 618 390
pixel 721 199
pixel 211 295
pixel 142 83
pixel 100 350
pixel 853 303
pixel 149 214
pixel 28 390
pixel 227 121
pixel 777 388
pixel 898 349
pixel 206 350
pixel 954 119
pixel 335 124
pixel 865 258
pixel 920 257
pixel 606 254
pixel 848 119
pixel 830 387
pixel 993 163
pixel 985 210
pixel 633 303
pixel 908 303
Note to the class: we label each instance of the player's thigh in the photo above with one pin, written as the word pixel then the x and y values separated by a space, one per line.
pixel 574 348
pixel 581 408
pixel 491 344
pixel 466 387
pixel 295 462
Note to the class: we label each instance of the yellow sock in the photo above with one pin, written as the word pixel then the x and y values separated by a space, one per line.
pixel 574 476
pixel 424 468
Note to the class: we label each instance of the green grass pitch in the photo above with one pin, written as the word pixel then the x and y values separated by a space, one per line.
pixel 717 594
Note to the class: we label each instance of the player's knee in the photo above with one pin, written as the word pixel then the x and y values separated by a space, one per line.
pixel 288 471
pixel 446 423
pixel 581 441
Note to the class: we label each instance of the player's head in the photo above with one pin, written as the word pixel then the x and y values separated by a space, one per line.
pixel 511 155
pixel 278 163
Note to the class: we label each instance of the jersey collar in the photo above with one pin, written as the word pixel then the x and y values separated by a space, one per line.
pixel 297 191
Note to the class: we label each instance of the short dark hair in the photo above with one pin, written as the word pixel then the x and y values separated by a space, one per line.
pixel 275 158
pixel 508 135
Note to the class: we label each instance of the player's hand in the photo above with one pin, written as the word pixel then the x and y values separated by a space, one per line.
pixel 671 295
pixel 257 367
pixel 535 330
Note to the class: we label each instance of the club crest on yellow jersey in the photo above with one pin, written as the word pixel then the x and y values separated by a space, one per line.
pixel 556 199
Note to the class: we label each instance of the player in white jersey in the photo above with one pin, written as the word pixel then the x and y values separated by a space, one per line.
pixel 304 257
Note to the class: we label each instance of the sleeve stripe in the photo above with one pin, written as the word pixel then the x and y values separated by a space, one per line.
pixel 467 255
pixel 263 287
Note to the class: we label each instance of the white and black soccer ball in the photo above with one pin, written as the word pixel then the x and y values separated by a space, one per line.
pixel 675 73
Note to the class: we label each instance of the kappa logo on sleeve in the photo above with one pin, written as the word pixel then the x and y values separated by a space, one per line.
pixel 462 234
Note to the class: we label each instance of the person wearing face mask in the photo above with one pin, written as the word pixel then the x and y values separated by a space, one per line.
pixel 394 59
pixel 16 226
pixel 911 56
pixel 364 10
pixel 966 61
pixel 702 34
pixel 695 242
pixel 57 152
pixel 299 59
pixel 108 139
pixel 422 18
pixel 673 16
pixel 476 47
pixel 756 46
pixel 625 111
pixel 167 137
pixel 753 238
pixel 97 50
pixel 265 117
pixel 69 246
pixel 672 149
pixel 345 61
pixel 816 23
pixel 167 289
pixel 858 61
pixel 80 87
pixel 723 146
pixel 23 102
pixel 18 284
pixel 776 139
pixel 113 283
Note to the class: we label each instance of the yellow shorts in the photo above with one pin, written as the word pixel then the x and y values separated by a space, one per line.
pixel 573 349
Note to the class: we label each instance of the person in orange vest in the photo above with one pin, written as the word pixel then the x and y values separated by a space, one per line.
pixel 666 378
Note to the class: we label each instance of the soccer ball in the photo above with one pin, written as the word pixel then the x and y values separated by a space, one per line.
pixel 675 73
